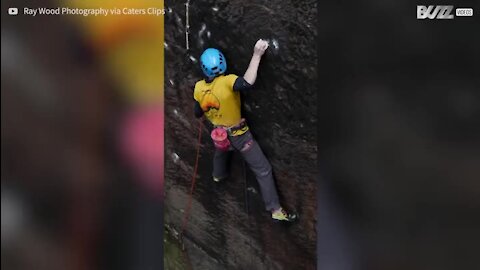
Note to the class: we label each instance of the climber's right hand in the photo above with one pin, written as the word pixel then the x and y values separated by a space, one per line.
pixel 260 47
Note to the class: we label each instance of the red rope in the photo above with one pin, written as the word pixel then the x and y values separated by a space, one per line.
pixel 189 205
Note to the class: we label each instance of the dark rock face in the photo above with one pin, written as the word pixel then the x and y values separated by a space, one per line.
pixel 228 227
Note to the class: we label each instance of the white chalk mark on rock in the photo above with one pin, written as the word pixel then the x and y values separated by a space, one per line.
pixel 200 34
pixel 204 27
pixel 275 44
pixel 175 158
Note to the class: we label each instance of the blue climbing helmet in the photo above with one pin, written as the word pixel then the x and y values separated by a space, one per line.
pixel 213 63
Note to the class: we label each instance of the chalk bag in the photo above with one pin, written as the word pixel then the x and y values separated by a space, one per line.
pixel 220 139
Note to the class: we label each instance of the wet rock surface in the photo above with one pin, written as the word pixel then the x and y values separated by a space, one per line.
pixel 228 227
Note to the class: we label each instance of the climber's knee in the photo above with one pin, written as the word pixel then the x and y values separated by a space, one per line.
pixel 266 170
pixel 265 173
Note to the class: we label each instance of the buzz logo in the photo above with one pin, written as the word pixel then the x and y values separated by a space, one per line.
pixel 434 12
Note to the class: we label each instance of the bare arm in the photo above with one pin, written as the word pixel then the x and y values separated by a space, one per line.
pixel 259 49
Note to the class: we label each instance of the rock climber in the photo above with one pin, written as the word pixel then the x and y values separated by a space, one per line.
pixel 218 98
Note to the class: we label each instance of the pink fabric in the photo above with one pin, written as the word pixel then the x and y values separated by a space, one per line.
pixel 142 143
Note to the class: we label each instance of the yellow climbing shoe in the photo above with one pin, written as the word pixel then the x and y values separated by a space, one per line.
pixel 282 215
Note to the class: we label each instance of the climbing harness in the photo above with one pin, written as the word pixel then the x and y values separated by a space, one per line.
pixel 233 130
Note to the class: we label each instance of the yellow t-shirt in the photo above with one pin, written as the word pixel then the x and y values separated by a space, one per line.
pixel 218 100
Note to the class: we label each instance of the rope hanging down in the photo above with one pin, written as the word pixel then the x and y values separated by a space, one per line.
pixel 189 204
pixel 187 25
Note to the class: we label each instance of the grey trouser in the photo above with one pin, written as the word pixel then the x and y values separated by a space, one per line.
pixel 257 162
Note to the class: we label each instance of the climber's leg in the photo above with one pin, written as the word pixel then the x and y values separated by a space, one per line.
pixel 259 164
pixel 220 165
